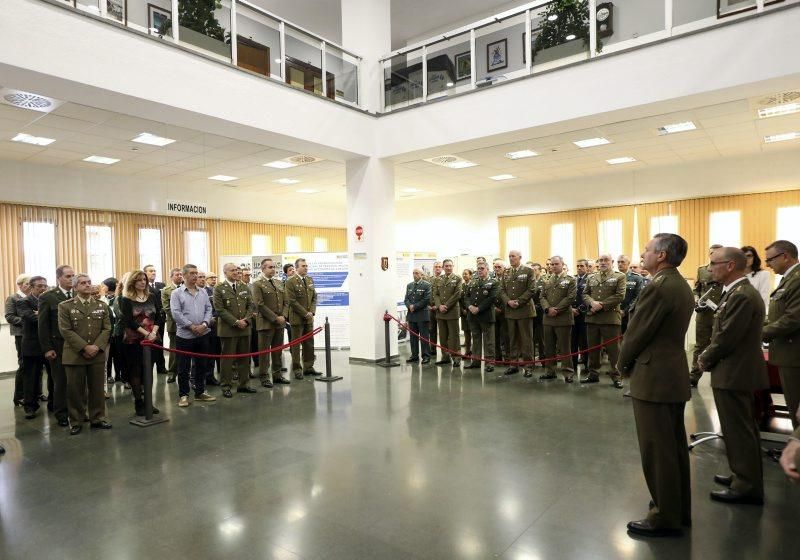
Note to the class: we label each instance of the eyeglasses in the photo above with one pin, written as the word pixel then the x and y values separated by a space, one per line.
pixel 718 262
pixel 772 258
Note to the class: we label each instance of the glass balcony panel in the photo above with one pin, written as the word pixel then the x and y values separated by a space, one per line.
pixel 344 69
pixel 205 25
pixel 500 50
pixel 153 17
pixel 304 62
pixel 402 80
pixel 559 34
pixel 91 6
pixel 632 19
pixel 258 42
pixel 730 7
pixel 449 66
pixel 688 11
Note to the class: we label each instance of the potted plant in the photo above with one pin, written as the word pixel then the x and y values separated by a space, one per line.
pixel 563 22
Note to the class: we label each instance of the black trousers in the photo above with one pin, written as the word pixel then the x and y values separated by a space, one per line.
pixel 18 378
pixel 538 334
pixel 422 328
pixel 214 347
pixel 32 380
pixel 580 340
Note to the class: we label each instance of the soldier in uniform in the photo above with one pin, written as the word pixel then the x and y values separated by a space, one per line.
pixel 234 305
pixel 301 298
pixel 85 325
pixel 604 291
pixel 633 286
pixel 446 297
pixel 652 355
pixel 434 327
pixel 558 293
pixel 176 279
pixel 52 342
pixel 481 294
pixel 538 329
pixel 782 330
pixel 708 293
pixel 580 338
pixel 32 360
pixel 501 344
pixel 418 297
pixel 466 276
pixel 736 362
pixel 516 294
pixel 269 300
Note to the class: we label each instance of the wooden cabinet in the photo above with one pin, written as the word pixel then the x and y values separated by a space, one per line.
pixel 303 75
pixel 252 56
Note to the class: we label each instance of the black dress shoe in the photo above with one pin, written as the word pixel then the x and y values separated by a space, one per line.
pixel 426 361
pixel 456 363
pixel 171 378
pixel 267 383
pixel 162 371
pixel 102 425
pixel 281 380
pixel 227 394
pixel 109 379
pixel 43 398
pixel 644 528
pixel 18 402
pixel 298 376
pixel 568 379
pixel 284 370
pixel 412 360
pixel 617 384
pixel 246 390
pixel 30 414
pixel 441 363
pixel 312 371
pixel 489 369
pixel 511 371
pixel 156 411
pixel 212 382
pixel 473 365
pixel 63 422
pixel 546 376
pixel 590 379
pixel 731 497
pixel 723 480
pixel 75 430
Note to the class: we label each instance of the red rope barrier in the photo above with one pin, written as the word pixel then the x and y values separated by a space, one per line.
pixel 233 356
pixel 390 317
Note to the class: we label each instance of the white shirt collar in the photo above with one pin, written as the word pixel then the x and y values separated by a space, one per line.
pixel 20 294
pixel 63 291
pixel 730 286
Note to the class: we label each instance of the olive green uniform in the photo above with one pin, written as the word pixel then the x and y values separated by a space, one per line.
pixel 232 303
pixel 608 289
pixel 558 290
pixel 84 323
pixel 269 300
pixel 301 298
pixel 433 326
pixel 782 331
pixel 482 294
pixel 50 339
pixel 704 322
pixel 447 291
pixel 518 283
pixel 172 328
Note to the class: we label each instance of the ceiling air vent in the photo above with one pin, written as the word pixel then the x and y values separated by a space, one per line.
pixel 27 100
pixel 303 159
pixel 451 162
pixel 779 98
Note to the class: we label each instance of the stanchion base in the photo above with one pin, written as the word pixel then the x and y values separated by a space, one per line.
pixel 326 379
pixel 144 423
pixel 388 365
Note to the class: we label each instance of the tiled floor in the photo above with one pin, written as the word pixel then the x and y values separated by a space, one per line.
pixel 403 463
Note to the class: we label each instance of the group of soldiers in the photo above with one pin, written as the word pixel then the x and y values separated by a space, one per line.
pixel 509 310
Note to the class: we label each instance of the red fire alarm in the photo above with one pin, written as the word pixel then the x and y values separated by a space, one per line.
pixel 359 232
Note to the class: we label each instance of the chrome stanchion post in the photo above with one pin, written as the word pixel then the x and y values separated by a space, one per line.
pixel 328 377
pixel 147 382
pixel 387 361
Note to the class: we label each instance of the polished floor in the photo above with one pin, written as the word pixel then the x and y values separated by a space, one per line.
pixel 402 463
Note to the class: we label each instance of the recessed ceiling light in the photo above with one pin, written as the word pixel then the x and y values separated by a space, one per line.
pixel 152 139
pixel 35 140
pixel 677 127
pixel 286 181
pixel 591 142
pixel 223 178
pixel 778 110
pixel 307 191
pixel 101 159
pixel 412 190
pixel 617 161
pixel 521 154
pixel 461 164
pixel 781 137
pixel 503 177
pixel 570 37
pixel 280 164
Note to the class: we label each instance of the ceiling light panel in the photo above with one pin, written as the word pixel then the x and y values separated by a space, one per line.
pixel 779 110
pixel 521 154
pixel 781 137
pixel 34 140
pixel 619 160
pixel 286 181
pixel 503 177
pixel 152 140
pixel 101 159
pixel 677 127
pixel 223 178
pixel 592 142
pixel 280 164
pixel 307 191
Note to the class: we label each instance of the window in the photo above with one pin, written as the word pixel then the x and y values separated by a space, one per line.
pixel 293 244
pixel 320 245
pixel 562 243
pixel 197 248
pixel 99 253
pixel 663 224
pixel 39 250
pixel 150 250
pixel 261 245
pixel 725 228
pixel 518 239
pixel 788 224
pixel 609 238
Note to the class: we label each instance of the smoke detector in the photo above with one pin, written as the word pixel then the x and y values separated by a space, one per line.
pixel 28 100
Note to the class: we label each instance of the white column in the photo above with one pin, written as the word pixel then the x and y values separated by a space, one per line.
pixel 370 204
pixel 367 31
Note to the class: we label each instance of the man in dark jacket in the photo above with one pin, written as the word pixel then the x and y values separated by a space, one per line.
pixel 32 357
pixel 15 323
pixel 418 297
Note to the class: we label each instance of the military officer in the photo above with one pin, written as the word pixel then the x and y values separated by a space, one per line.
pixel 782 330
pixel 633 285
pixel 736 362
pixel 501 345
pixel 446 297
pixel 301 298
pixel 434 327
pixel 708 293
pixel 269 300
pixel 417 299
pixel 176 279
pixel 652 355
pixel 481 294
pixel 605 290
pixel 466 276
pixel 516 295
pixel 234 305
pixel 558 293
pixel 85 325
pixel 52 342
pixel 538 329
pixel 579 338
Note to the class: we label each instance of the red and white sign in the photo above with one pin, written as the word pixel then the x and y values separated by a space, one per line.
pixel 359 233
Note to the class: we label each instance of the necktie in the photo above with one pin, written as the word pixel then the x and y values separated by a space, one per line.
pixel 304 283
pixel 271 282
pixel 69 294
pixel 234 286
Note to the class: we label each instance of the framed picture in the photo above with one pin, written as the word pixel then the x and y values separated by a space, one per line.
pixel 158 19
pixel 463 66
pixel 497 55
pixel 727 8
pixel 117 10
